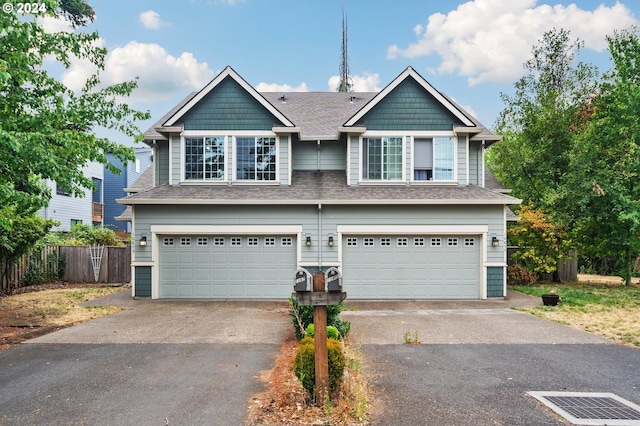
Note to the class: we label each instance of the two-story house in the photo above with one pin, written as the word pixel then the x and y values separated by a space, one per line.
pixel 388 187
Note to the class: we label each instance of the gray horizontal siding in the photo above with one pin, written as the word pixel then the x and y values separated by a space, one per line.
pixel 332 156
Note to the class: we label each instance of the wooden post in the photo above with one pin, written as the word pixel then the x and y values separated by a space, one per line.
pixel 320 330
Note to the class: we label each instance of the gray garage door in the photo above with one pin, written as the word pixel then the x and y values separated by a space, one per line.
pixel 222 266
pixel 411 267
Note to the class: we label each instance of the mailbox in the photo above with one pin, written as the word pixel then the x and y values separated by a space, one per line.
pixel 333 279
pixel 303 280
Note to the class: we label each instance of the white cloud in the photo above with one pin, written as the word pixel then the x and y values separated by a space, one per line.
pixel 52 25
pixel 151 20
pixel 489 40
pixel 273 87
pixel 161 75
pixel 366 82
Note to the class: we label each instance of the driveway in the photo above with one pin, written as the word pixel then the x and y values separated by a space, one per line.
pixel 190 362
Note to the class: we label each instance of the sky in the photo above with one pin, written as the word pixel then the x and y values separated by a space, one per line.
pixel 470 50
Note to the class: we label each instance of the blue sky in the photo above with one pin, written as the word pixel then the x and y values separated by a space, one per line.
pixel 470 50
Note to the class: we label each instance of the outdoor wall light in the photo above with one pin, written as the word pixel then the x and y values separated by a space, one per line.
pixel 308 241
pixel 330 242
pixel 143 240
pixel 495 242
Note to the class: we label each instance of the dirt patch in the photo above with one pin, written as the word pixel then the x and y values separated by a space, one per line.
pixel 34 311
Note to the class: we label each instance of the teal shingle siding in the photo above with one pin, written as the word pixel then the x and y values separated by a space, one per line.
pixel 143 281
pixel 229 107
pixel 409 107
pixel 495 281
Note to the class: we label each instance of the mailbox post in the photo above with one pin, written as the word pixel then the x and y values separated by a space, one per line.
pixel 304 282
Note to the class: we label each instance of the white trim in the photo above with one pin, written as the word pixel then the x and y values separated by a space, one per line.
pixel 409 71
pixel 147 263
pixel 381 135
pixel 495 264
pixel 414 133
pixel 467 160
pixel 170 144
pixel 203 181
pixel 227 72
pixel 413 229
pixel 213 133
pixel 234 164
pixel 348 160
pixel 211 201
pixel 290 162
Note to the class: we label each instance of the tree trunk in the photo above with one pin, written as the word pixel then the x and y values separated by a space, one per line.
pixel 628 268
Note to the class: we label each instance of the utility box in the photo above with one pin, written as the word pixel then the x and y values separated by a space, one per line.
pixel 303 280
pixel 333 279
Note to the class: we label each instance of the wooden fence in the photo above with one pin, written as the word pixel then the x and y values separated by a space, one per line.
pixel 567 269
pixel 114 268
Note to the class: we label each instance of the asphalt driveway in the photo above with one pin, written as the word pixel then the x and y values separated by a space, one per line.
pixel 184 362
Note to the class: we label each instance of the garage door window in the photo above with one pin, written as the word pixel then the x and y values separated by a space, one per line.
pixel 452 242
pixel 236 241
pixel 368 242
pixel 252 241
pixel 402 242
pixel 185 241
pixel 269 241
pixel 385 241
pixel 436 242
pixel 203 241
pixel 286 241
pixel 418 242
pixel 352 242
pixel 167 242
pixel 469 242
pixel 218 241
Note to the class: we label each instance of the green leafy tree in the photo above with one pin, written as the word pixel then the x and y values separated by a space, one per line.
pixel 540 119
pixel 46 129
pixel 542 241
pixel 603 190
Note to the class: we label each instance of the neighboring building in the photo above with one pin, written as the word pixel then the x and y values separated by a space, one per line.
pixel 389 187
pixel 69 210
pixel 115 185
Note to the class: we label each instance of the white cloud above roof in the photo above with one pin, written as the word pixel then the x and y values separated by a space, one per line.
pixel 151 20
pixel 161 75
pixel 366 82
pixel 489 40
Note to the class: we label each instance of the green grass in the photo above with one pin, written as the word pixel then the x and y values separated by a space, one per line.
pixel 578 294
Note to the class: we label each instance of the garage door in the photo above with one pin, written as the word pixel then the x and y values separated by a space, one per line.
pixel 411 267
pixel 222 266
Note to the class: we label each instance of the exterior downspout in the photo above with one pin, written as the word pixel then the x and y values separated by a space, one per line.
pixel 318 159
pixel 319 236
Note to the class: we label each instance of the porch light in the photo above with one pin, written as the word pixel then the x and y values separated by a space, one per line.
pixel 143 240
pixel 308 241
pixel 330 242
pixel 494 241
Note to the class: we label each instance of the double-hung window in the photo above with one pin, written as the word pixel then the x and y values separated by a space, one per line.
pixel 382 158
pixel 256 158
pixel 434 159
pixel 204 158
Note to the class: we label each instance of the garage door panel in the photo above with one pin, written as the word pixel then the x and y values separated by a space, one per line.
pixel 412 266
pixel 217 266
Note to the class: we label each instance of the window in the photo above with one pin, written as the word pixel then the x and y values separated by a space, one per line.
pixel 452 242
pixel 61 190
pixel 469 241
pixel 368 242
pixel 385 241
pixel 184 241
pixel 433 159
pixel 235 241
pixel 252 241
pixel 352 242
pixel 286 241
pixel 269 241
pixel 256 159
pixel 402 242
pixel 204 158
pixel 418 242
pixel 382 159
pixel 167 241
pixel 436 242
pixel 218 241
pixel 203 241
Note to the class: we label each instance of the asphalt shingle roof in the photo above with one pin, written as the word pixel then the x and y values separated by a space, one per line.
pixel 310 187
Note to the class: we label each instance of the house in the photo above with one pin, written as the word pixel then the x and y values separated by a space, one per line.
pixel 69 210
pixel 115 185
pixel 388 187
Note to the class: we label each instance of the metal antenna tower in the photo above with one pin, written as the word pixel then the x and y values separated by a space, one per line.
pixel 345 78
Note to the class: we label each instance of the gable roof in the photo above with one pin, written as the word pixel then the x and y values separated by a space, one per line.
pixel 410 72
pixel 227 72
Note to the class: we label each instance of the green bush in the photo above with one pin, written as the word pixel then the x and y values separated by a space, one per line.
pixel 332 332
pixel 303 316
pixel 304 364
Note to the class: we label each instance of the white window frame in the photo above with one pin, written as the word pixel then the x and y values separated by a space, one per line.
pixel 201 135
pixel 361 154
pixel 234 165
pixel 433 136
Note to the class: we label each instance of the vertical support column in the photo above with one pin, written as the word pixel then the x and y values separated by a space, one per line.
pixel 321 353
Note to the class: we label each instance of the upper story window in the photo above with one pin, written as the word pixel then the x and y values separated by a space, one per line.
pixel 382 158
pixel 204 158
pixel 256 159
pixel 434 159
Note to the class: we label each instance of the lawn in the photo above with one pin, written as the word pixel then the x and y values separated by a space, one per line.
pixel 611 309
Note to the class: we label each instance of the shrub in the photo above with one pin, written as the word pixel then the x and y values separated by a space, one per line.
pixel 520 275
pixel 332 332
pixel 303 316
pixel 304 364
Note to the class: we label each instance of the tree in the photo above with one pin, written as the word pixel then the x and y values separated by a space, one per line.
pixel 542 241
pixel 602 191
pixel 46 129
pixel 539 121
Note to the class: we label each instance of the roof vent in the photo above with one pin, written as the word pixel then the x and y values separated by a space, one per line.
pixel 283 99
pixel 351 99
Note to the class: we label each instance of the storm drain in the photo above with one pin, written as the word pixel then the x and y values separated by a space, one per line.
pixel 586 408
